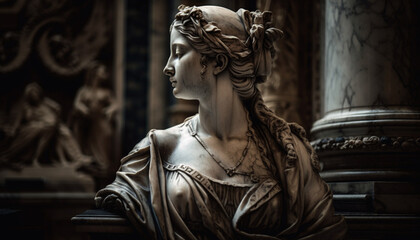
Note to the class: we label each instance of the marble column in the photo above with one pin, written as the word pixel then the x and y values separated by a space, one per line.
pixel 368 138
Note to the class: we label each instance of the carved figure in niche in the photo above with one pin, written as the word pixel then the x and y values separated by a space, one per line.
pixel 93 116
pixel 235 170
pixel 35 130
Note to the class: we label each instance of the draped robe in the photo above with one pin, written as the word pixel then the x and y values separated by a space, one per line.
pixel 142 186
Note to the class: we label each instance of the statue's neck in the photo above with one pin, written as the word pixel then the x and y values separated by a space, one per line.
pixel 222 114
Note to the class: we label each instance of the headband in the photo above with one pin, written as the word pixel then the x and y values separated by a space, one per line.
pixel 258 27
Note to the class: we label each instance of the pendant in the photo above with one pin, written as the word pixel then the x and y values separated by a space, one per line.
pixel 254 178
pixel 230 172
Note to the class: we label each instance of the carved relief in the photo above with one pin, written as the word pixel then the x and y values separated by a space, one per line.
pixel 36 136
pixel 367 143
pixel 64 48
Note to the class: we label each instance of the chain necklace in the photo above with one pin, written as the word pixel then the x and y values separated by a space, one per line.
pixel 230 171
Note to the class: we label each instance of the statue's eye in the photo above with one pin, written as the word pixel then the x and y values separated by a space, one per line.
pixel 179 51
pixel 178 54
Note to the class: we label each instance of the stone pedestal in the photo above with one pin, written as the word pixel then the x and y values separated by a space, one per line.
pixel 42 215
pixel 369 136
pixel 45 179
pixel 38 202
pixel 104 225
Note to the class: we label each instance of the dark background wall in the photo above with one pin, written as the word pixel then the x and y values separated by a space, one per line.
pixel 136 73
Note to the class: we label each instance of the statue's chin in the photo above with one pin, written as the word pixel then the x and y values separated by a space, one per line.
pixel 184 93
pixel 175 92
pixel 181 97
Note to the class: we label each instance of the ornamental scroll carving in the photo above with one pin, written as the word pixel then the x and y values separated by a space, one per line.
pixel 367 143
pixel 64 40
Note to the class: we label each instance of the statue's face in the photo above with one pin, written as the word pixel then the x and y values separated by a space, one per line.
pixel 101 72
pixel 33 94
pixel 183 68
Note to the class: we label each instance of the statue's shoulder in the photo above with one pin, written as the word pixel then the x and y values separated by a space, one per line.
pixel 163 139
pixel 170 137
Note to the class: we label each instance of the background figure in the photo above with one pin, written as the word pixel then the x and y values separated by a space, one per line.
pixel 93 117
pixel 34 130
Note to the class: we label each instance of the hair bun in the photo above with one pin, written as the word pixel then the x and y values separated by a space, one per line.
pixel 261 36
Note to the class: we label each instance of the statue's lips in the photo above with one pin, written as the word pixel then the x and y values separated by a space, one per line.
pixel 173 82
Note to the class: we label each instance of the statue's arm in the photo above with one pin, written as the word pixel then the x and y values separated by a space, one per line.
pixel 129 194
pixel 55 107
pixel 134 166
pixel 112 107
pixel 79 102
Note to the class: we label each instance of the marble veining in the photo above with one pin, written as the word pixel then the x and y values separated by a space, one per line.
pixel 368 53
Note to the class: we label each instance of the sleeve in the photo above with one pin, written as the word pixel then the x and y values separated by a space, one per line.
pixel 318 218
pixel 129 194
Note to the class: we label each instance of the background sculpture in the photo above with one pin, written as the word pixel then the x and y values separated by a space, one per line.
pixel 93 118
pixel 35 134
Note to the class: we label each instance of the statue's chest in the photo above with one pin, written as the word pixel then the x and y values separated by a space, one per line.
pixel 219 165
pixel 189 152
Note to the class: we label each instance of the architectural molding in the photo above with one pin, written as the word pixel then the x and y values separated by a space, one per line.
pixel 375 143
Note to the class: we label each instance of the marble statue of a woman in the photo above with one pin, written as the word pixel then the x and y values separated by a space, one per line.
pixel 234 170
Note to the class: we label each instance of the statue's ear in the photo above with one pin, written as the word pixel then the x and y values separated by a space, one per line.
pixel 221 63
